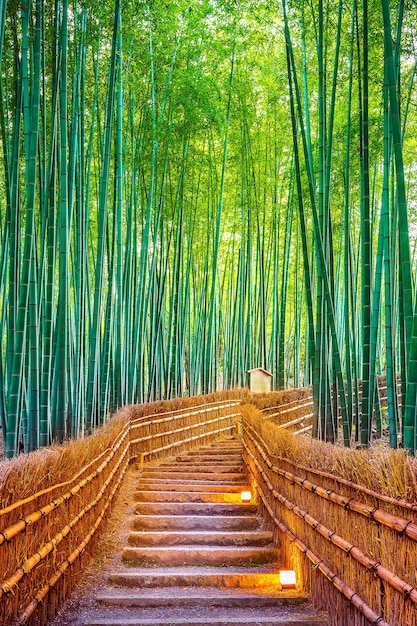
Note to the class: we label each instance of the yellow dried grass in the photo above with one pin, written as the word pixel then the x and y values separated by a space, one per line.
pixel 389 472
pixel 26 474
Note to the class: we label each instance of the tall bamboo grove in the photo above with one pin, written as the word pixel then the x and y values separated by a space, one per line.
pixel 193 189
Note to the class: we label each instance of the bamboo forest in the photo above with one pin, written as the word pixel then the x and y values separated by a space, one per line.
pixel 190 190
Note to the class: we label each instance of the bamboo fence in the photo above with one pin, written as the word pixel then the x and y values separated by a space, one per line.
pixel 296 416
pixel 353 548
pixel 46 536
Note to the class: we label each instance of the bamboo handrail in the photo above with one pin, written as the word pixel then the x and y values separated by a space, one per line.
pixel 42 593
pixel 285 406
pixel 293 408
pixel 8 533
pixel 183 428
pixel 304 430
pixel 400 525
pixel 203 407
pixel 338 583
pixel 30 563
pixel 38 494
pixel 349 549
pixel 299 420
pixel 343 481
pixel 178 443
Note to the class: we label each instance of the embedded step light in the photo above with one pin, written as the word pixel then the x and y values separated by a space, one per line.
pixel 287 579
pixel 246 496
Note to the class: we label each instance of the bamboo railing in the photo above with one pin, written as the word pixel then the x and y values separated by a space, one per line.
pixel 283 414
pixel 44 537
pixel 354 549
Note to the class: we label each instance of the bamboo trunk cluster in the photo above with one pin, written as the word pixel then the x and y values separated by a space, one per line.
pixel 187 195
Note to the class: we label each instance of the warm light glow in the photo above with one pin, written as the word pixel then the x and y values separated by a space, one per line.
pixel 287 579
pixel 246 496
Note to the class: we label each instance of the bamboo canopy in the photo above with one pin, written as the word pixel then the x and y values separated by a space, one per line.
pixel 188 189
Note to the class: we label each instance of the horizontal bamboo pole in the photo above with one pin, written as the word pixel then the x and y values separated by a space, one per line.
pixel 184 428
pixel 284 406
pixel 299 420
pixel 294 408
pixel 42 593
pixel 52 488
pixel 338 479
pixel 8 533
pixel 304 430
pixel 202 408
pixel 338 583
pixel 407 590
pixel 30 563
pixel 182 441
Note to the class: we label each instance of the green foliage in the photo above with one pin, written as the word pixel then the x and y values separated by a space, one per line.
pixel 181 200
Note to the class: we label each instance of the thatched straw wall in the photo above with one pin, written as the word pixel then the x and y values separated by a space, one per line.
pixel 346 520
pixel 343 519
pixel 53 501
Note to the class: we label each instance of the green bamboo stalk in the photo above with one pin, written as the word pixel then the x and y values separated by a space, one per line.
pixel 366 249
pixel 93 409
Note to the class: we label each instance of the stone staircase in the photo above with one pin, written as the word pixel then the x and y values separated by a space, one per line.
pixel 197 554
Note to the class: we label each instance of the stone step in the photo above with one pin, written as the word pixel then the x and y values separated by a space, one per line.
pixel 198 597
pixel 161 485
pixel 254 577
pixel 192 522
pixel 222 452
pixel 169 480
pixel 209 458
pixel 195 508
pixel 186 496
pixel 200 477
pixel 219 450
pixel 220 538
pixel 198 468
pixel 207 617
pixel 204 555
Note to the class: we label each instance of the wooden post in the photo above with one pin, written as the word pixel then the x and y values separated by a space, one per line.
pixel 140 461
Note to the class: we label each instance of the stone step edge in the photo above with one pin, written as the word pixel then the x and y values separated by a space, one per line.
pixel 204 555
pixel 206 508
pixel 202 599
pixel 193 488
pixel 208 621
pixel 196 522
pixel 195 537
pixel 257 577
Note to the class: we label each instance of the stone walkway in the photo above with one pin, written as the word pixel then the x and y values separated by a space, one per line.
pixel 195 553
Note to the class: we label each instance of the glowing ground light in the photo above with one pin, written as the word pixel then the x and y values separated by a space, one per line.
pixel 246 496
pixel 287 579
